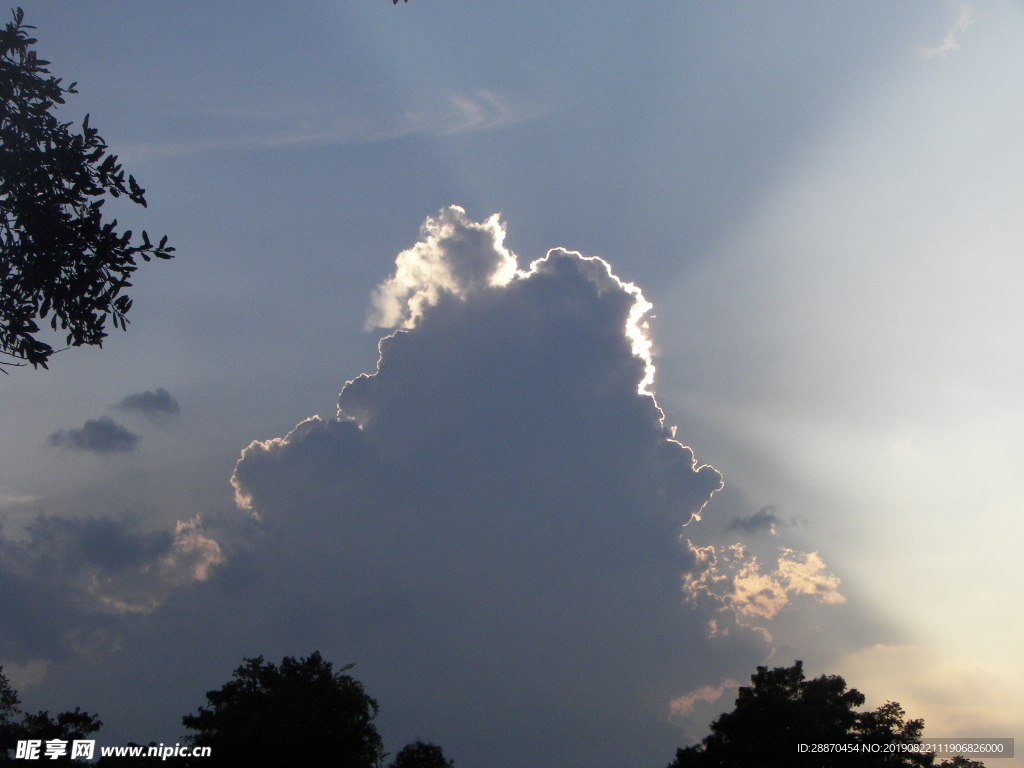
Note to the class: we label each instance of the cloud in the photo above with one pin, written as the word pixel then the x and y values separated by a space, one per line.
pixel 114 560
pixel 684 705
pixel 159 405
pixel 804 573
pixel 10 500
pixel 64 581
pixel 192 556
pixel 764 519
pixel 456 256
pixel 733 579
pixel 480 111
pixel 951 42
pixel 493 519
pixel 447 115
pixel 102 436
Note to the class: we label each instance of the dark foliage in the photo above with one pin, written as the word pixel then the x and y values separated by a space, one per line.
pixel 421 754
pixel 66 726
pixel 783 709
pixel 9 700
pixel 58 258
pixel 298 713
pixel 8 711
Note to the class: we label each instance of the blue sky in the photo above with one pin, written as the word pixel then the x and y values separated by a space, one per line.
pixel 821 201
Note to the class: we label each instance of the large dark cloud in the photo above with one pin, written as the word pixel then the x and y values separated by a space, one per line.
pixel 102 436
pixel 494 518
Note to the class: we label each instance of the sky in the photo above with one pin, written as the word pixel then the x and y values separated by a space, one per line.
pixel 557 364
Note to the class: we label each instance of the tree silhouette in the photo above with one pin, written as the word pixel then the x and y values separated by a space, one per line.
pixel 783 709
pixel 58 258
pixel 66 726
pixel 8 710
pixel 298 713
pixel 421 754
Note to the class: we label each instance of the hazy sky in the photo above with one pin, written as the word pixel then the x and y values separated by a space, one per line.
pixel 802 218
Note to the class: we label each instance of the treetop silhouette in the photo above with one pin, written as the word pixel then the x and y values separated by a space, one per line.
pixel 59 259
pixel 783 709
pixel 299 713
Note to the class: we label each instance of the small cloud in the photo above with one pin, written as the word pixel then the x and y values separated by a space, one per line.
pixel 102 436
pixel 192 555
pixel 764 519
pixel 755 593
pixel 804 573
pixel 734 581
pixel 951 41
pixel 684 705
pixel 159 405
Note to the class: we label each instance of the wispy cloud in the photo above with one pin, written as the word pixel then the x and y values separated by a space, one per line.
pixel 684 705
pixel 951 41
pixel 10 500
pixel 457 113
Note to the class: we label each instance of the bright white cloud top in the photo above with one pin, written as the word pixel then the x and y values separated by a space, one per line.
pixel 456 256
